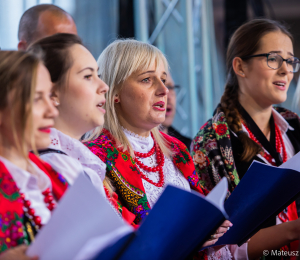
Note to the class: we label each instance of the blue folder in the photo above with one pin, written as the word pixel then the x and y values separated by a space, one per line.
pixel 262 194
pixel 180 222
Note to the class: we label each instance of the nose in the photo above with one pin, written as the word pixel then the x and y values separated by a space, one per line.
pixel 51 110
pixel 284 69
pixel 162 90
pixel 102 87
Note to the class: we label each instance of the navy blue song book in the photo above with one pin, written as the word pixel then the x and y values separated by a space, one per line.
pixel 176 231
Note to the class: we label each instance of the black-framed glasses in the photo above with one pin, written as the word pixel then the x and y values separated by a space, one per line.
pixel 274 61
pixel 171 88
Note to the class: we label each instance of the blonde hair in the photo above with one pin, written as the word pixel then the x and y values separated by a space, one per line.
pixel 18 74
pixel 116 63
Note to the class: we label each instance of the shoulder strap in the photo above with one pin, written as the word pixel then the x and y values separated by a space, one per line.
pixel 59 183
pixel 50 150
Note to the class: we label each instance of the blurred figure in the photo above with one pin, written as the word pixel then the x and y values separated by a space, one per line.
pixel 29 188
pixel 171 110
pixel 41 21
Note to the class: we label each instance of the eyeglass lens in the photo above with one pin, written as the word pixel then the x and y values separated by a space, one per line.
pixel 173 87
pixel 275 61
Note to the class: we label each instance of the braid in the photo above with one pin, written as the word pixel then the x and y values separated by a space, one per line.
pixel 244 42
pixel 229 105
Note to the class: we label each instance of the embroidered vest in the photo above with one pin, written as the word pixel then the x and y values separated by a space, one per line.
pixel 123 171
pixel 11 204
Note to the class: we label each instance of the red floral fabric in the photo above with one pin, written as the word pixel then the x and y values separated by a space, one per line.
pixel 122 170
pixel 11 204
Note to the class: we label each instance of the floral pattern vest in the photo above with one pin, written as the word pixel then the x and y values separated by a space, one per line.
pixel 11 204
pixel 123 171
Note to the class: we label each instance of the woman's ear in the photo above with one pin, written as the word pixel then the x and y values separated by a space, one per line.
pixel 55 98
pixel 117 98
pixel 238 66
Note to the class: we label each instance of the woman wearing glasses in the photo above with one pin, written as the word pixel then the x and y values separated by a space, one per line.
pixel 246 126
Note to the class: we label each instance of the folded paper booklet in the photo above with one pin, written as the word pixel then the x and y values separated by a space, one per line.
pixel 82 214
pixel 84 225
pixel 179 223
pixel 263 193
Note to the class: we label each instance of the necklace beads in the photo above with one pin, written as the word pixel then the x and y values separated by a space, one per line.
pixel 280 147
pixel 160 163
pixel 48 199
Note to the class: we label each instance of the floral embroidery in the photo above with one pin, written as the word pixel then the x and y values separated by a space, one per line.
pixel 54 141
pixel 123 172
pixel 200 158
pixel 11 211
pixel 125 157
pixel 213 143
pixel 61 178
pixel 11 205
pixel 9 188
pixel 227 153
pixel 221 129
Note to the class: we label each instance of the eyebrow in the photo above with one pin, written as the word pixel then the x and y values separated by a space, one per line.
pixel 281 52
pixel 151 71
pixel 87 68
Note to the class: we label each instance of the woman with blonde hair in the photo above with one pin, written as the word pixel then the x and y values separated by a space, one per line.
pixel 140 159
pixel 29 188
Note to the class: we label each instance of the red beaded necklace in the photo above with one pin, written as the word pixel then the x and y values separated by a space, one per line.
pixel 280 147
pixel 49 200
pixel 160 159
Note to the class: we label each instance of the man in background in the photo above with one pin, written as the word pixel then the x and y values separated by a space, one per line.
pixel 41 21
pixel 171 110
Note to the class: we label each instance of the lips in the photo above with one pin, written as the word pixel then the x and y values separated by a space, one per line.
pixel 46 130
pixel 280 84
pixel 160 106
pixel 100 106
pixel 169 110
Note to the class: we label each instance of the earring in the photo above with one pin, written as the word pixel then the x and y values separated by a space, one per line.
pixel 116 100
pixel 242 74
pixel 56 103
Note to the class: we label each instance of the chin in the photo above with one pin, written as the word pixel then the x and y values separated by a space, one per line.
pixel 100 123
pixel 42 145
pixel 280 100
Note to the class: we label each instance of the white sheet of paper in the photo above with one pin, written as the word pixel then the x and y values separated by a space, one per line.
pixel 218 194
pixel 293 163
pixel 82 214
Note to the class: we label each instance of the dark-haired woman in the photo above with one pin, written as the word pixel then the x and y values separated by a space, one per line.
pixel 79 95
pixel 246 127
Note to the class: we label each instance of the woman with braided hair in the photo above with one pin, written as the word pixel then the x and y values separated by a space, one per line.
pixel 246 126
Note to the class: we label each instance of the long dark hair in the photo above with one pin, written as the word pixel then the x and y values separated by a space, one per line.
pixel 245 41
pixel 56 55
pixel 57 59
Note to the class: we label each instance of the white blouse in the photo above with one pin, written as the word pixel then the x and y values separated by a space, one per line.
pixel 31 184
pixel 172 175
pixel 78 159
